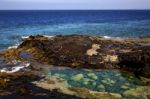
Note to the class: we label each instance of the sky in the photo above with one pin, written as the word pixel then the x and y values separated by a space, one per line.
pixel 73 4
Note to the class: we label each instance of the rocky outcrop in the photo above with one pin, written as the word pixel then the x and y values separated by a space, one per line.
pixel 19 86
pixel 79 51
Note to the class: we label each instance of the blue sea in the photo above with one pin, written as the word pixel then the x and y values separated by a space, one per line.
pixel 113 23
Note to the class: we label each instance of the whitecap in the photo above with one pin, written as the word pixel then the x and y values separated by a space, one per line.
pixel 48 36
pixel 25 37
pixel 107 37
pixel 15 69
pixel 15 46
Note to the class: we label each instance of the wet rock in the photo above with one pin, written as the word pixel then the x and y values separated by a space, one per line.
pixel 63 87
pixel 108 81
pixel 19 86
pixel 77 77
pixel 92 76
pixel 87 94
pixel 137 61
pixel 125 87
pixel 58 83
pixel 86 81
pixel 101 88
pixel 139 92
pixel 92 52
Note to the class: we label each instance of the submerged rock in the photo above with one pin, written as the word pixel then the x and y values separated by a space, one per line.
pixel 108 81
pixel 101 88
pixel 92 76
pixel 63 87
pixel 77 77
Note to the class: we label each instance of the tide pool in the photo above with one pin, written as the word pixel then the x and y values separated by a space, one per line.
pixel 99 80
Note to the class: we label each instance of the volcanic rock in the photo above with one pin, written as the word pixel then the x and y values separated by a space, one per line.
pixel 78 51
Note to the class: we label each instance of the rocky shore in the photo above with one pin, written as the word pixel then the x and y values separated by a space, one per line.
pixel 73 51
pixel 91 52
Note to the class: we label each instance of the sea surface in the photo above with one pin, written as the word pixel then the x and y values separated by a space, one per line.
pixel 114 23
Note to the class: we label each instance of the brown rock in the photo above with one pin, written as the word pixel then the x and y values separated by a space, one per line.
pixel 86 52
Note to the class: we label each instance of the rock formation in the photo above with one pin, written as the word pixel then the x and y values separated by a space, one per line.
pixel 77 51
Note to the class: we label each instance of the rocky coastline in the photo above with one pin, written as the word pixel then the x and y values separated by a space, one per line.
pixel 73 51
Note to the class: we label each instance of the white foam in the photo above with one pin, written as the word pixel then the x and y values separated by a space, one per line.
pixel 15 46
pixel 12 47
pixel 48 36
pixel 14 69
pixel 25 37
pixel 107 37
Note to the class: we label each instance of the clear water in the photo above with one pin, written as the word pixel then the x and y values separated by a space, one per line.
pixel 98 80
pixel 15 24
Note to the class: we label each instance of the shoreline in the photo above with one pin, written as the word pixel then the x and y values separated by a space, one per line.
pixel 75 52
pixel 82 51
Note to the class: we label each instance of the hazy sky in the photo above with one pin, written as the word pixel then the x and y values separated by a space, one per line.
pixel 74 4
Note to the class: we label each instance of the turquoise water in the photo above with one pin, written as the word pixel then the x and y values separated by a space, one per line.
pixel 98 80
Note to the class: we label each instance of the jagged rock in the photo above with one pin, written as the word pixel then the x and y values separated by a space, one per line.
pixel 132 54
pixel 138 60
pixel 19 86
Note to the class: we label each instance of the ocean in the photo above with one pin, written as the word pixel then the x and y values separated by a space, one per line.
pixel 114 23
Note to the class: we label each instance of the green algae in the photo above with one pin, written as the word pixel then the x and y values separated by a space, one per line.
pixel 77 77
pixel 101 88
pixel 92 76
pixel 100 80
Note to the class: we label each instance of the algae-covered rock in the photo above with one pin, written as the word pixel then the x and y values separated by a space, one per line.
pixel 85 81
pixel 59 75
pixel 88 94
pixel 92 76
pixel 101 88
pixel 140 92
pixel 93 83
pixel 60 84
pixel 77 77
pixel 104 81
pixel 108 81
pixel 125 87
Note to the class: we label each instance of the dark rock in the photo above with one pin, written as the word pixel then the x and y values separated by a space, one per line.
pixel 138 60
pixel 19 86
pixel 78 51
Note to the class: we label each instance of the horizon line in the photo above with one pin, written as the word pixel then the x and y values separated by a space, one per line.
pixel 71 9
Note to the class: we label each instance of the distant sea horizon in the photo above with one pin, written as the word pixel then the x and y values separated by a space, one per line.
pixel 123 23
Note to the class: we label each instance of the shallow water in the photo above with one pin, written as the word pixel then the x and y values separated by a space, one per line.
pixel 98 80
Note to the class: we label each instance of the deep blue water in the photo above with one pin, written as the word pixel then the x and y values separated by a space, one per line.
pixel 125 23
